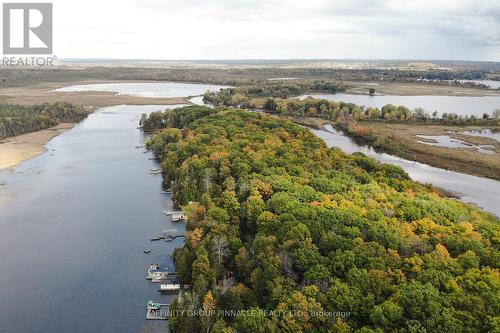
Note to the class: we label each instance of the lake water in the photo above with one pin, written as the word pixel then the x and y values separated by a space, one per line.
pixel 490 83
pixel 73 225
pixel 448 142
pixel 483 192
pixel 75 220
pixel 486 133
pixel 147 89
pixel 462 105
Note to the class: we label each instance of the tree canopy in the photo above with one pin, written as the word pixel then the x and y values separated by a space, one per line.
pixel 298 237
pixel 19 119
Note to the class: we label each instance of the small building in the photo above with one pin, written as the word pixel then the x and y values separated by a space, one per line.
pixel 178 216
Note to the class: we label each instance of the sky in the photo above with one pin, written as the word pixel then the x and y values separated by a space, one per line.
pixel 277 29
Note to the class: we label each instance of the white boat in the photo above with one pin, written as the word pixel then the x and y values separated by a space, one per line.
pixel 157 276
pixel 153 267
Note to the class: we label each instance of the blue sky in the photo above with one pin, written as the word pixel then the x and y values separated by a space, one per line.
pixel 272 29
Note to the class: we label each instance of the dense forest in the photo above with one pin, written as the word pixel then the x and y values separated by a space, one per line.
pixel 334 111
pixel 297 237
pixel 281 89
pixel 19 119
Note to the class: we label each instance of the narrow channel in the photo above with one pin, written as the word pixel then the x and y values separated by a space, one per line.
pixel 480 191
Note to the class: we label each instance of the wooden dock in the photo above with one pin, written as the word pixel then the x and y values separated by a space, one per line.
pixel 172 234
pixel 158 314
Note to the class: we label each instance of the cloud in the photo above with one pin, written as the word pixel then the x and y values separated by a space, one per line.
pixel 208 29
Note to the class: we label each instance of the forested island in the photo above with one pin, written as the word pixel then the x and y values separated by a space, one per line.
pixel 20 119
pixel 302 238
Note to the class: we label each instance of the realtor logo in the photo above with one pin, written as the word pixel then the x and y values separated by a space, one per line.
pixel 27 28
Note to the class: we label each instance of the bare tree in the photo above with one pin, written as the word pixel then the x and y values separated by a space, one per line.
pixel 286 263
pixel 207 180
pixel 220 248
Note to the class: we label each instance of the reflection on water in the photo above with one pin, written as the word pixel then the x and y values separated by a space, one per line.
pixel 480 191
pixel 487 133
pixel 446 141
pixel 461 105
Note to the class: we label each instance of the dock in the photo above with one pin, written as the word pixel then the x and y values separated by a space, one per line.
pixel 166 287
pixel 172 234
pixel 157 311
pixel 170 212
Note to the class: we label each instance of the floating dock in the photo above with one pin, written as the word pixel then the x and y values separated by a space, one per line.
pixel 157 311
pixel 170 212
pixel 166 287
pixel 172 234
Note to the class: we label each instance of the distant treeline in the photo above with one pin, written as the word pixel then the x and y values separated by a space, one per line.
pixel 239 76
pixel 20 119
pixel 331 110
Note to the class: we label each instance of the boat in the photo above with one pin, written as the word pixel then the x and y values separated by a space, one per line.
pixel 155 273
pixel 147 251
pixel 156 276
pixel 152 305
pixel 153 267
pixel 156 311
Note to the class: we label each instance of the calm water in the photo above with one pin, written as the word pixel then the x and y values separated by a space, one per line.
pixel 74 222
pixel 148 89
pixel 442 104
pixel 446 141
pixel 487 133
pixel 477 190
pixel 492 84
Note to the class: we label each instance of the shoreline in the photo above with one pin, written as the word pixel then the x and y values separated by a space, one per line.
pixel 17 149
pixel 45 93
pixel 451 159
pixel 395 88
